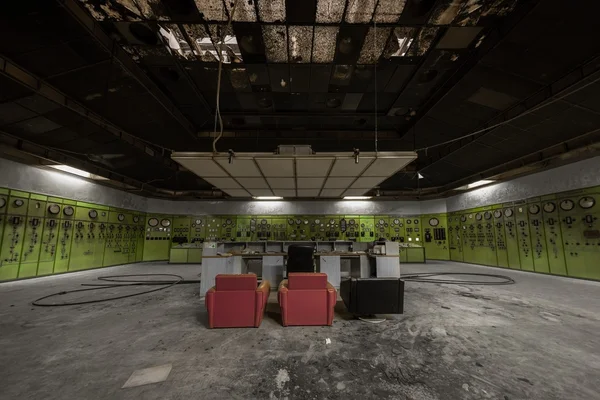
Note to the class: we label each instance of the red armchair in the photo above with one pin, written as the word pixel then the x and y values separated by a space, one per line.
pixel 306 299
pixel 236 301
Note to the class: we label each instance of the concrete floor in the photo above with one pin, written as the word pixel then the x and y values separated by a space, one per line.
pixel 538 339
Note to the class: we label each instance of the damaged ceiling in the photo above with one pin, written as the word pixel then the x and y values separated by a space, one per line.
pixel 117 85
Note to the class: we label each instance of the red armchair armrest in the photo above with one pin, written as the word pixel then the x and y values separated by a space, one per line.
pixel 262 296
pixel 209 301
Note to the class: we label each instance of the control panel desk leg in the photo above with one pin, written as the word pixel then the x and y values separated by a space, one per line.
pixel 365 266
pixel 387 266
pixel 331 266
pixel 272 270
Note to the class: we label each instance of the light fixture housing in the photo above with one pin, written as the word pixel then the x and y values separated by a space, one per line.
pixel 357 197
pixel 268 198
pixel 78 172
pixel 475 184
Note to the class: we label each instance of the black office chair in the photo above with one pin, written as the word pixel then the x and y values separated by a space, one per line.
pixel 300 258
pixel 369 296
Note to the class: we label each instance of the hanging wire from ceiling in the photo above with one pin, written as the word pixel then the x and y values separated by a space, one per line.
pixel 376 63
pixel 556 99
pixel 220 73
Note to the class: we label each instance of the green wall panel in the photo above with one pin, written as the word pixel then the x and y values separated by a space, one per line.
pixel 553 235
pixel 454 237
pixel 435 236
pixel 512 244
pixel 523 236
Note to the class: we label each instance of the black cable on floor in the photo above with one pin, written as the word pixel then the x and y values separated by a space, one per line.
pixel 165 284
pixel 423 277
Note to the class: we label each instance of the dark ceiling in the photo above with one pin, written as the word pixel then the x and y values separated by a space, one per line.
pixel 116 85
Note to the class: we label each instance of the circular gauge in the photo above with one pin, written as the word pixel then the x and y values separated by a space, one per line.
pixel 18 203
pixel 534 209
pixel 298 221
pixel 463 218
pixel 198 222
pixel 408 221
pixel 549 207
pixel 434 222
pixel 332 222
pixel 136 219
pixel 487 215
pixel 68 211
pixel 121 217
pixel 165 222
pixel 153 222
pixel 93 214
pixel 291 221
pixel 396 221
pixel 264 221
pixel 362 225
pixel 228 221
pixel 2 202
pixel 305 222
pixel 351 222
pixel 54 209
pixel 586 202
pixel 478 216
pixel 497 214
pixel 416 222
pixel 317 221
pixel 567 205
pixel 508 212
pixel 381 222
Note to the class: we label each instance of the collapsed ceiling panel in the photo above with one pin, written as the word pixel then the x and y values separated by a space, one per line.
pixel 423 41
pixel 325 38
pixel 401 40
pixel 201 41
pixel 330 11
pixel 275 39
pixel 244 11
pixel 176 43
pixel 271 10
pixel 300 43
pixel 211 10
pixel 360 11
pixel 389 11
pixel 373 45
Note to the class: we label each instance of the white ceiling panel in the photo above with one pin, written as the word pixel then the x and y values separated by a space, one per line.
pixel 313 167
pixel 284 192
pixel 308 192
pixel 331 192
pixel 223 183
pixel 271 167
pixel 310 183
pixel 355 192
pixel 282 183
pixel 239 167
pixel 201 166
pixel 237 192
pixel 386 166
pixel 348 167
pixel 260 192
pixel 367 182
pixel 253 183
pixel 338 183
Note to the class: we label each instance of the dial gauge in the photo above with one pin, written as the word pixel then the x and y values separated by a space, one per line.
pixel 298 221
pixel 586 202
pixel 408 221
pixel 68 211
pixel 228 221
pixel 396 221
pixel 463 218
pixel 478 216
pixel 434 222
pixel 198 222
pixel 153 222
pixel 264 221
pixel 2 202
pixel 136 219
pixel 497 214
pixel 351 222
pixel 332 222
pixel 54 209
pixel 487 215
pixel 18 203
pixel 121 217
pixel 534 209
pixel 290 221
pixel 416 221
pixel 165 222
pixel 381 222
pixel 549 207
pixel 93 214
pixel 567 205
pixel 317 221
pixel 508 212
pixel 305 222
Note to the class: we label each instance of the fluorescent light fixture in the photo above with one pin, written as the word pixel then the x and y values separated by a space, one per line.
pixel 420 176
pixel 475 184
pixel 78 172
pixel 268 198
pixel 357 197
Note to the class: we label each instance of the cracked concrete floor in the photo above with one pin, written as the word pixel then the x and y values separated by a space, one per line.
pixel 537 339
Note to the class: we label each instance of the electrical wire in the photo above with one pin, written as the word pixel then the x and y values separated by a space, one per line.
pixel 423 277
pixel 220 73
pixel 511 119
pixel 376 109
pixel 165 284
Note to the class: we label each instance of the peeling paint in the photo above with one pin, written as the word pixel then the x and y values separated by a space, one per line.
pixel 360 11
pixel 423 41
pixel 330 11
pixel 300 43
pixel 324 44
pixel 389 11
pixel 275 39
pixel 211 10
pixel 400 42
pixel 271 10
pixel 373 45
pixel 244 11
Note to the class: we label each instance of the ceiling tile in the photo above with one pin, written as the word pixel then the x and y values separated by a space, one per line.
pixel 308 192
pixel 253 183
pixel 281 167
pixel 260 192
pixel 386 166
pixel 313 166
pixel 348 166
pixel 282 183
pixel 239 167
pixel 367 183
pixel 201 167
pixel 355 192
pixel 338 183
pixel 223 183
pixel 284 192
pixel 237 192
pixel 310 183
pixel 331 192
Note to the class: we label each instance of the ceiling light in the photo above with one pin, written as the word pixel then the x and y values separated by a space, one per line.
pixel 268 198
pixel 357 197
pixel 78 172
pixel 475 184
pixel 420 176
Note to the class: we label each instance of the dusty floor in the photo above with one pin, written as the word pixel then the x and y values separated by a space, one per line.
pixel 538 339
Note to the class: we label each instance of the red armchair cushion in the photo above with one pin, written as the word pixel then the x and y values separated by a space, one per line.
pixel 305 280
pixel 235 282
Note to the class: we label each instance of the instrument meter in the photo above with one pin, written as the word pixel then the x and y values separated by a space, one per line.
pixel 93 214
pixel 508 212
pixel 317 221
pixel 587 202
pixel 567 205
pixel 497 214
pixel 165 222
pixel 54 209
pixel 487 215
pixel 2 202
pixel 478 216
pixel 153 222
pixel 534 209
pixel 18 203
pixel 549 207
pixel 121 217
pixel 434 222
pixel 136 219
pixel 68 211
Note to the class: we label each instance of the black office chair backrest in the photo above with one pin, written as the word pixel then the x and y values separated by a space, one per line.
pixel 300 258
pixel 367 296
